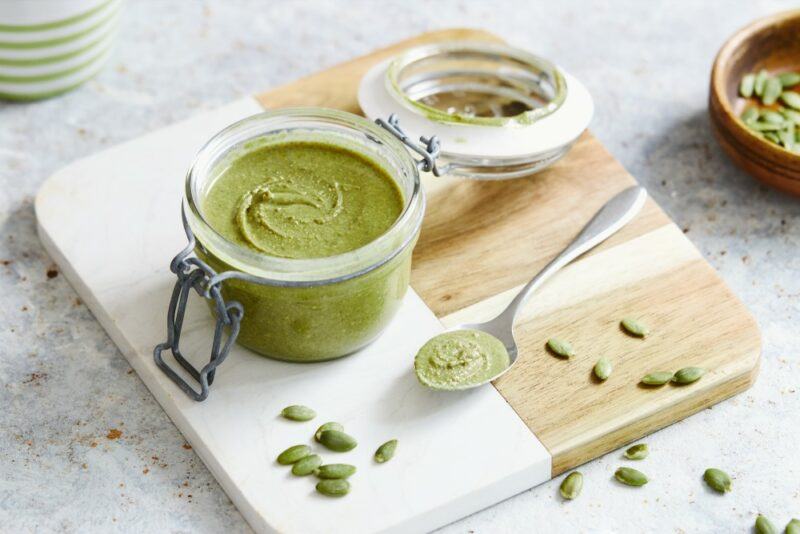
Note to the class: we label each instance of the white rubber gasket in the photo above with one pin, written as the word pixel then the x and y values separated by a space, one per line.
pixel 550 133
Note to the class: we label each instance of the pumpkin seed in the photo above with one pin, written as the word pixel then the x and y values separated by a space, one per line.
pixel 750 114
pixel 793 527
pixel 746 85
pixel 298 413
pixel 788 79
pixel 760 81
pixel 634 327
pixel 335 471
pixel 717 480
pixel 306 466
pixel 762 126
pixel 327 426
pixel 764 526
pixel 787 137
pixel 386 451
pixel 603 368
pixel 338 441
pixel 572 485
pixel 791 115
pixel 560 348
pixel 637 452
pixel 630 476
pixel 791 99
pixel 334 487
pixel 687 375
pixel 772 90
pixel 773 117
pixel 772 136
pixel 293 454
pixel 658 378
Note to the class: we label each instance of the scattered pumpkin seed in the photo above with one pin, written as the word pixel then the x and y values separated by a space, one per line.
pixel 603 368
pixel 687 375
pixel 772 90
pixel 658 378
pixel 760 82
pixel 338 441
pixel 630 476
pixel 788 79
pixel 386 451
pixel 335 471
pixel 717 480
pixel 764 526
pixel 634 327
pixel 333 487
pixel 327 426
pixel 572 485
pixel 293 454
pixel 560 348
pixel 746 85
pixel 298 413
pixel 793 527
pixel 306 466
pixel 791 99
pixel 637 452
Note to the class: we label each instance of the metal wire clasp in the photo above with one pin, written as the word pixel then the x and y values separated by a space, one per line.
pixel 429 150
pixel 195 274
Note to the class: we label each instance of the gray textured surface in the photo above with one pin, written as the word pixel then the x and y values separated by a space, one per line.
pixel 65 386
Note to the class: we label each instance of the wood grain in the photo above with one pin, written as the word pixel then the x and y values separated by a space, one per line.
pixel 481 240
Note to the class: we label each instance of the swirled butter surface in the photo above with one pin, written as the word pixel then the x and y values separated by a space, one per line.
pixel 302 200
pixel 460 359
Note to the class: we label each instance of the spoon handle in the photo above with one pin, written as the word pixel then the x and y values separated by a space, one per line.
pixel 615 214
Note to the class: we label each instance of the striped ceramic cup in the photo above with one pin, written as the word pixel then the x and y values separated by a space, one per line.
pixel 48 47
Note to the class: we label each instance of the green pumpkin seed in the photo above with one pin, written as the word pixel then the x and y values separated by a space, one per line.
pixel 327 426
pixel 746 85
pixel 335 471
pixel 773 117
pixel 637 452
pixel 765 526
pixel 334 487
pixel 772 90
pixel 603 368
pixel 772 136
pixel 788 79
pixel 787 137
pixel 386 451
pixel 717 480
pixel 687 375
pixel 572 485
pixel 763 126
pixel 306 466
pixel 791 99
pixel 793 527
pixel 750 114
pixel 658 378
pixel 294 454
pixel 634 327
pixel 630 476
pixel 338 441
pixel 760 82
pixel 791 115
pixel 298 413
pixel 560 348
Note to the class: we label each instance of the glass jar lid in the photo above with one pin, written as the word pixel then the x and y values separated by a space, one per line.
pixel 499 112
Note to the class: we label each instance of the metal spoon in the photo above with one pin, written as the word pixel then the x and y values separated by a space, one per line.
pixel 615 214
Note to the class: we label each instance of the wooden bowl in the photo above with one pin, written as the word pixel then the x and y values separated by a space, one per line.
pixel 771 43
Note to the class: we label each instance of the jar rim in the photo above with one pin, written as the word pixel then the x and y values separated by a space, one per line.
pixel 489 49
pixel 274 270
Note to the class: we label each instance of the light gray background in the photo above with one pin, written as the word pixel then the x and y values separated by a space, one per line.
pixel 65 385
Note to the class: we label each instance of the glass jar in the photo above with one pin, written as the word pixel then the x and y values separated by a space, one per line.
pixel 318 308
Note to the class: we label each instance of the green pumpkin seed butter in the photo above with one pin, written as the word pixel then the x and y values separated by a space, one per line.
pixel 460 359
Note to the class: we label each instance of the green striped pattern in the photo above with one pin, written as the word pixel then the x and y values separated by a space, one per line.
pixel 76 55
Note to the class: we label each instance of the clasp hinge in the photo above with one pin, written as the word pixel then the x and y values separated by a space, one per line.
pixel 429 149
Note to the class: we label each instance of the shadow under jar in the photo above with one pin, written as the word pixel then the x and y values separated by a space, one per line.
pixel 307 309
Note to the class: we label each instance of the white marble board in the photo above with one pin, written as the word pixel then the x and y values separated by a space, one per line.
pixel 112 223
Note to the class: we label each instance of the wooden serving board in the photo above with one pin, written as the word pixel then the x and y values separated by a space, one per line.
pixel 111 222
pixel 482 240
